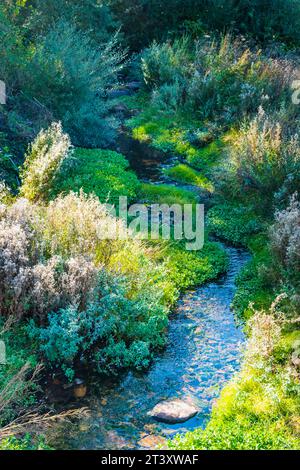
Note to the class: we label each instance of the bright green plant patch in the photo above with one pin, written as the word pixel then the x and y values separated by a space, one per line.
pixel 16 390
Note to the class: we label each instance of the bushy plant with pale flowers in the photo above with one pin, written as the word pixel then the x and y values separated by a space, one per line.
pixel 43 161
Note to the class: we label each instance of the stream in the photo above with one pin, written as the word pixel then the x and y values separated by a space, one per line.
pixel 203 352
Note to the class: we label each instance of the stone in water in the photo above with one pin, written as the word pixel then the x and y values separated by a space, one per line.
pixel 173 411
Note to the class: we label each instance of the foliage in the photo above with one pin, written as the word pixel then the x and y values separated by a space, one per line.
pixel 70 78
pixel 25 443
pixel 285 239
pixel 189 269
pixel 18 386
pixel 265 158
pixel 89 16
pixel 257 410
pixel 54 71
pixel 235 223
pixel 166 194
pixel 162 62
pixel 118 329
pixel 160 19
pixel 43 162
pixel 102 172
pixel 216 79
pixel 187 175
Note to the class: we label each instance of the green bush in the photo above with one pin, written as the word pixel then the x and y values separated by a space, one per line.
pixel 265 159
pixel 165 63
pixel 220 80
pixel 102 172
pixel 43 161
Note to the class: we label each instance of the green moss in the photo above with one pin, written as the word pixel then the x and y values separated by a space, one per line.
pixel 187 175
pixel 166 194
pixel 102 172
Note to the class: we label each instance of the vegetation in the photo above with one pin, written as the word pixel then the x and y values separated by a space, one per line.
pixel 101 172
pixel 215 82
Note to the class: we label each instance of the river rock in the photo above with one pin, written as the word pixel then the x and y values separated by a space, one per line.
pixel 173 411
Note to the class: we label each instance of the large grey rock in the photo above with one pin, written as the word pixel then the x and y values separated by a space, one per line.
pixel 173 411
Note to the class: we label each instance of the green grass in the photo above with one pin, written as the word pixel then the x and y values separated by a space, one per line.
pixel 185 174
pixel 20 351
pixel 102 172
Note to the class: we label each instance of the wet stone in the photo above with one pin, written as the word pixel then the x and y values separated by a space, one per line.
pixel 173 411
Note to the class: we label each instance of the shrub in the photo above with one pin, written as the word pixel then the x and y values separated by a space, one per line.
pixel 165 63
pixel 50 255
pixel 43 161
pixel 102 172
pixel 70 77
pixel 118 329
pixel 216 79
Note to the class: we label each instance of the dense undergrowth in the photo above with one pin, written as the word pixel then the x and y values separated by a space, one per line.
pixel 75 295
